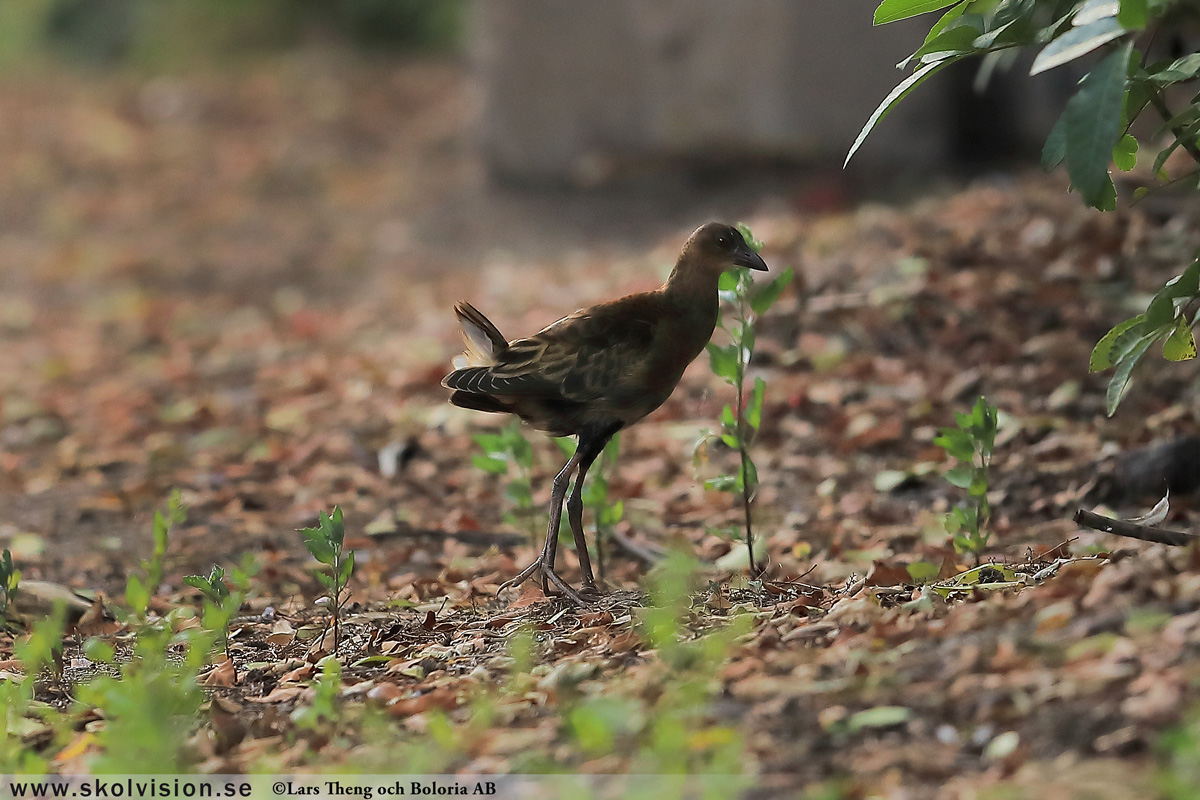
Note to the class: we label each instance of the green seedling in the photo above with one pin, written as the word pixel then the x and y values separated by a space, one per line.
pixel 510 448
pixel 740 422
pixel 324 543
pixel 10 579
pixel 970 443
pixel 220 602
pixel 140 588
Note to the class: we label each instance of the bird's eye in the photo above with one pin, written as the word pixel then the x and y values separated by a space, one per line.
pixel 722 242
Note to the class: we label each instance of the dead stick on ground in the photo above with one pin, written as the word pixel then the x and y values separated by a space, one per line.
pixel 1097 522
pixel 644 552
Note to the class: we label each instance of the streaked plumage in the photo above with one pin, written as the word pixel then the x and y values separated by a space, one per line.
pixel 598 370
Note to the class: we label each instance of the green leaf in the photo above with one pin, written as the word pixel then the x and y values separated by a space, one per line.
pixel 1180 345
pixel 722 483
pixel 728 282
pixel 961 476
pixel 1119 383
pixel 879 717
pixel 1183 69
pixel 946 19
pixel 1112 345
pixel 1124 155
pixel 491 442
pixel 895 10
pixel 99 650
pixel 954 40
pixel 766 297
pixel 754 409
pixel 337 531
pixel 957 443
pixel 1055 149
pixel 137 597
pixel 197 582
pixel 895 96
pixel 748 476
pixel 347 569
pixel 491 465
pixel 1094 125
pixel 1132 15
pixel 318 545
pixel 979 484
pixel 1075 43
pixel 723 360
pixel 922 571
pixel 566 445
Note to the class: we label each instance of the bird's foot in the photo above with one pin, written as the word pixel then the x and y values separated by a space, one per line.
pixel 548 574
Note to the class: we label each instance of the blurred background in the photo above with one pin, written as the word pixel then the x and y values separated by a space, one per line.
pixel 317 141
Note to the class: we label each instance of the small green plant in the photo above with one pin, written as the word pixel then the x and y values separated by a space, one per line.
pixel 970 443
pixel 140 588
pixel 324 543
pixel 151 707
pixel 1179 759
pixel 220 602
pixel 500 450
pixel 10 579
pixel 324 705
pixel 740 422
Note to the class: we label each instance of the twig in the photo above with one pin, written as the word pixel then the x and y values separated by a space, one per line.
pixel 406 531
pixel 1146 533
pixel 634 549
pixel 1164 111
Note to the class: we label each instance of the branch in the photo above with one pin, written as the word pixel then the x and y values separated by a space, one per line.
pixel 1132 530
pixel 1185 141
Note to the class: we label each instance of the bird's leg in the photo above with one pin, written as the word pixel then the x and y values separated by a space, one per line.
pixel 590 446
pixel 545 562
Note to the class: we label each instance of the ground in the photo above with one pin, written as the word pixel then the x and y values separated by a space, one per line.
pixel 240 286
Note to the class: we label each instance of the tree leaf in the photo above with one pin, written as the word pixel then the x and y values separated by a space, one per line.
pixel 1075 43
pixel 895 96
pixel 954 40
pixel 1124 155
pixel 1055 149
pixel 1119 383
pixel 1180 345
pixel 895 10
pixel 1132 15
pixel 1094 10
pixel 1107 350
pixel 1094 125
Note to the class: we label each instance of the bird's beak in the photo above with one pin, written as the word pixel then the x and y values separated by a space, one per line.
pixel 745 257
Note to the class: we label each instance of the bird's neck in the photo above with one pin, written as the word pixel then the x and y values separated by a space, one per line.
pixel 693 291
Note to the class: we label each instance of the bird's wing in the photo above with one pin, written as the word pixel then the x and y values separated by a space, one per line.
pixel 580 358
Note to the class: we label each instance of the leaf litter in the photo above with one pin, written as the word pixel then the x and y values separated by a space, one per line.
pixel 267 388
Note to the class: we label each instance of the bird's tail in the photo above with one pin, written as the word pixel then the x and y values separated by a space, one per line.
pixel 483 338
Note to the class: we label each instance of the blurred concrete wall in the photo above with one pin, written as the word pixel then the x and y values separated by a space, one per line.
pixel 576 90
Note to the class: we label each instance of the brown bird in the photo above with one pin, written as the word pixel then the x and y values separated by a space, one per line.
pixel 597 371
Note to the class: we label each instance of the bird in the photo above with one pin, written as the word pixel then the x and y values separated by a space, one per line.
pixel 595 372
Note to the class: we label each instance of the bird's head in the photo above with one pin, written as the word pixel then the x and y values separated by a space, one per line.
pixel 716 247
